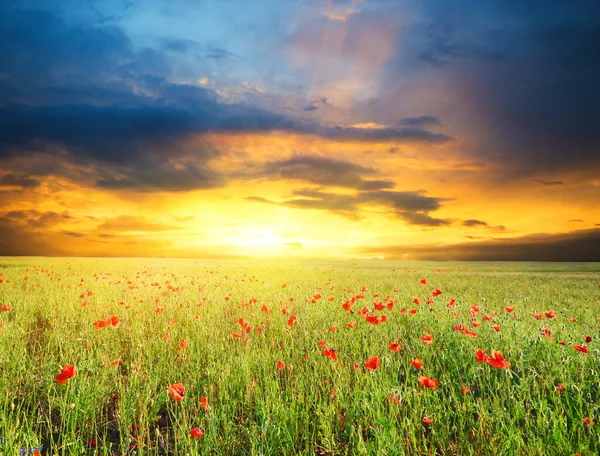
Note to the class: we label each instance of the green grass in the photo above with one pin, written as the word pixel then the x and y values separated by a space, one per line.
pixel 314 405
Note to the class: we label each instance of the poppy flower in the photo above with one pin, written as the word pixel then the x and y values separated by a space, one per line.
pixel 428 382
pixel 481 356
pixel 582 348
pixel 589 421
pixel 395 346
pixel 373 319
pixel 5 307
pixel 427 339
pixel 66 373
pixel 496 328
pixel 413 311
pixel 551 314
pixel 183 345
pixel 177 390
pixel 427 420
pixel 196 433
pixel 509 309
pixel 418 363
pixel 331 354
pixel 292 321
pixel 436 292
pixel 204 403
pixel 588 339
pixel 538 316
pixel 465 390
pixel 417 301
pixel 351 325
pixel 280 365
pixel 560 388
pixel 497 360
pixel 372 363
pixel 423 281
pixel 322 343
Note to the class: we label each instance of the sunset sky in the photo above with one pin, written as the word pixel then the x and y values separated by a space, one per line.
pixel 397 129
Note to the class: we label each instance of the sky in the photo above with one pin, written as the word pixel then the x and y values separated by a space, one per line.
pixel 396 129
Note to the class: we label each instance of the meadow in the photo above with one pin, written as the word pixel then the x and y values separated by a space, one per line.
pixel 244 357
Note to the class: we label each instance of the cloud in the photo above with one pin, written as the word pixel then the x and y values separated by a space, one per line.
pixel 420 121
pixel 323 171
pixel 411 207
pixel 18 180
pixel 582 245
pixel 473 223
pixel 36 220
pixel 88 96
pixel 525 75
pixel 549 183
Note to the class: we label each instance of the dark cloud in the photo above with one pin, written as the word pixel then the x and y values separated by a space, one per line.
pixel 583 245
pixel 548 183
pixel 73 234
pixel 36 220
pixel 323 171
pixel 18 180
pixel 420 121
pixel 412 207
pixel 87 93
pixel 473 223
pixel 526 73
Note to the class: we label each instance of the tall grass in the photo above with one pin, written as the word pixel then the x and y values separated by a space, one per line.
pixel 117 402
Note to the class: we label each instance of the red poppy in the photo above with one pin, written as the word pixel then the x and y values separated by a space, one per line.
pixel 560 388
pixel 423 281
pixel 413 311
pixel 196 433
pixel 546 332
pixel 588 339
pixel 538 316
pixel 417 301
pixel 351 325
pixel 331 354
pixel 373 319
pixel 481 356
pixel 465 390
pixel 204 403
pixel 183 345
pixel 451 302
pixel 436 292
pixel 459 328
pixel 428 382
pixel 115 321
pixel 508 309
pixel 67 372
pixel 292 321
pixel 383 319
pixel 427 339
pixel 5 307
pixel 551 314
pixel 177 390
pixel 395 346
pixel 372 363
pixel 266 310
pixel 418 363
pixel 582 348
pixel 280 365
pixel 497 360
pixel 427 420
pixel 322 343
pixel 496 328
pixel 589 421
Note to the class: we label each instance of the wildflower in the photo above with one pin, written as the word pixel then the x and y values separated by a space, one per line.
pixel 497 360
pixel 481 356
pixel 427 339
pixel 204 403
pixel 177 390
pixel 66 373
pixel 428 382
pixel 582 348
pixel 427 420
pixel 418 363
pixel 394 346
pixel 372 363
pixel 280 365
pixel 196 433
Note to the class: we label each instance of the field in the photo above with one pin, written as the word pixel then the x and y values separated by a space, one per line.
pixel 297 357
